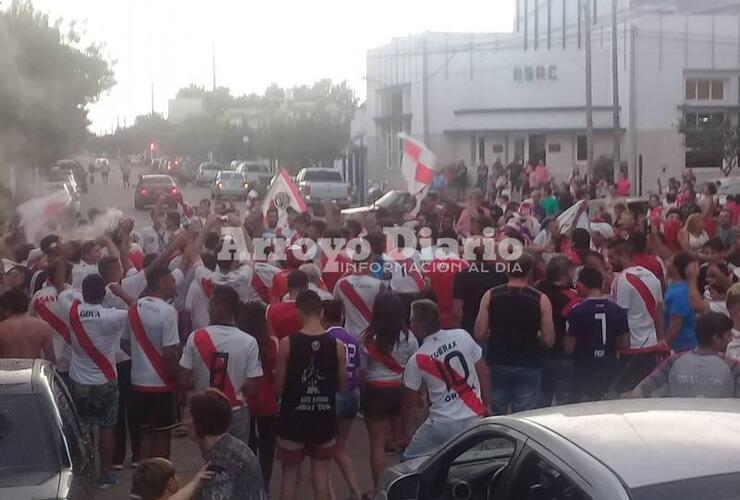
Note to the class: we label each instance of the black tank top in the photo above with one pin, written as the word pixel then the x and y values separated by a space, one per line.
pixel 307 407
pixel 514 318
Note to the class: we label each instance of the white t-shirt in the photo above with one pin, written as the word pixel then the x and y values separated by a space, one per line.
pixel 135 284
pixel 196 299
pixel 152 241
pixel 103 327
pixel 45 305
pixel 451 354
pixel 627 296
pixel 240 279
pixel 80 271
pixel 377 371
pixel 405 273
pixel 159 320
pixel 242 357
pixel 367 288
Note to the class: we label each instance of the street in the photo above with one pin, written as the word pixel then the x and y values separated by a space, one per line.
pixel 185 454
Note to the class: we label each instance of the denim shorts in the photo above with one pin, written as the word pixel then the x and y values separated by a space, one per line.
pixel 97 404
pixel 348 404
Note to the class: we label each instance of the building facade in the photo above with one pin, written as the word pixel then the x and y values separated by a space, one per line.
pixel 487 96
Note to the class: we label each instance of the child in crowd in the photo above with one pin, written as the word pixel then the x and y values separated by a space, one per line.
pixel 155 479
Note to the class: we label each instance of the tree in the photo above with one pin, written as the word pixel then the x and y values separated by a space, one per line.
pixel 712 142
pixel 47 80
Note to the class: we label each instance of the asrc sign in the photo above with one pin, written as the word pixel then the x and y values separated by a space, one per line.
pixel 535 73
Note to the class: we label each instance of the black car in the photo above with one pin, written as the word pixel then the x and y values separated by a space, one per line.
pixel 45 453
pixel 151 187
pixel 78 171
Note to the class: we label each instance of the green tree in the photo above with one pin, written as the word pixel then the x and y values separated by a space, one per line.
pixel 47 80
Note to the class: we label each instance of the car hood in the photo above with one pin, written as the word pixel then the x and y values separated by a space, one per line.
pixel 358 210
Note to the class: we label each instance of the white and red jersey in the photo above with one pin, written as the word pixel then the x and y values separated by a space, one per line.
pixel 96 335
pixel 445 363
pixel 262 279
pixel 385 370
pixel 134 284
pixel 198 295
pixel 638 290
pixel 152 326
pixel 45 305
pixel 357 293
pixel 406 276
pixel 224 355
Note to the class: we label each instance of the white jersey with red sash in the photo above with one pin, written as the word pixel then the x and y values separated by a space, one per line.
pixel 406 276
pixel 45 305
pixel 638 290
pixel 262 276
pixel 445 363
pixel 96 334
pixel 199 293
pixel 223 357
pixel 153 326
pixel 357 293
pixel 385 369
pixel 241 279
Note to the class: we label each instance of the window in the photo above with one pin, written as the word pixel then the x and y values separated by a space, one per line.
pixel 537 478
pixel 705 89
pixel 498 148
pixel 581 148
pixel 699 120
pixel 482 149
pixel 553 147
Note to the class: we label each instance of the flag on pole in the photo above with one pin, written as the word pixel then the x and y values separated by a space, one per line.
pixel 283 193
pixel 417 167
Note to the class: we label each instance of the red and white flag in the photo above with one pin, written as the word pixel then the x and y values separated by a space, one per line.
pixel 417 167
pixel 283 193
pixel 37 212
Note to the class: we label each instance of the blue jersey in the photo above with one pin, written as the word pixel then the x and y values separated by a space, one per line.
pixel 596 323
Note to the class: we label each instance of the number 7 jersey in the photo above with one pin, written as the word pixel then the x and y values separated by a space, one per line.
pixel 445 362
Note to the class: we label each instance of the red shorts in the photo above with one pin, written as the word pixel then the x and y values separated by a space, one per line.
pixel 292 453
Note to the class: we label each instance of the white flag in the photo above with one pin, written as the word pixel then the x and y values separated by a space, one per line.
pixel 283 193
pixel 417 164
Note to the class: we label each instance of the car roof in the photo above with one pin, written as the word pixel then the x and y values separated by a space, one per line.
pixel 20 376
pixel 651 441
pixel 157 177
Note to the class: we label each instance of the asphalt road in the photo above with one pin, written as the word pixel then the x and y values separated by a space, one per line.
pixel 186 455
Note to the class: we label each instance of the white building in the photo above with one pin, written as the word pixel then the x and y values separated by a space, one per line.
pixel 482 96
pixel 180 108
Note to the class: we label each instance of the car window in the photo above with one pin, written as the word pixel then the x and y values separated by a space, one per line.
pixel 26 443
pixel 497 447
pixel 537 478
pixel 157 181
pixel 231 175
pixel 322 176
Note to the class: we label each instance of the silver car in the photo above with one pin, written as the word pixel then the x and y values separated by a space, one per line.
pixel 45 453
pixel 229 184
pixel 629 449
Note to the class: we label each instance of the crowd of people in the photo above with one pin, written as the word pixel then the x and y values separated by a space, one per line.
pixel 267 354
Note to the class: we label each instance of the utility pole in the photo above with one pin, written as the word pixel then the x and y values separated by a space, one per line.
pixel 589 104
pixel 152 98
pixel 616 155
pixel 213 65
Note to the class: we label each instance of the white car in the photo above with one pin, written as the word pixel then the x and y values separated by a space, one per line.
pixel 207 172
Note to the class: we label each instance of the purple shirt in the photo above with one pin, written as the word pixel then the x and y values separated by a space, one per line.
pixel 353 354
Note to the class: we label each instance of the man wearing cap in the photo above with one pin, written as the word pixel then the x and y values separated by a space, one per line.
pixel 51 247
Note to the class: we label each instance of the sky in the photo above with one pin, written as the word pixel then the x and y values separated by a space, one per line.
pixel 169 43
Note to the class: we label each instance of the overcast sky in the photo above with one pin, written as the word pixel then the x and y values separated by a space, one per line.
pixel 289 42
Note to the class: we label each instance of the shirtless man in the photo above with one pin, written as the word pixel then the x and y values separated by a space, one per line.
pixel 22 335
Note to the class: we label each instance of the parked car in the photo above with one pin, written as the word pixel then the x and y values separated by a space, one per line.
pixel 258 175
pixel 151 187
pixel 228 184
pixel 207 172
pixel 395 201
pixel 100 162
pixel 78 172
pixel 45 451
pixel 626 449
pixel 318 184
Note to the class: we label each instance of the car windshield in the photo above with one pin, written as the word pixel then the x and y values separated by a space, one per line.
pixel 26 443
pixel 231 176
pixel 156 181
pixel 322 176
pixel 391 199
pixel 719 487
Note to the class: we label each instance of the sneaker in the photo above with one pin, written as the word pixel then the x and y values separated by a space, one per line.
pixel 117 467
pixel 108 480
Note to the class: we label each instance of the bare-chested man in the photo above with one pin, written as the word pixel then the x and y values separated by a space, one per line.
pixel 21 335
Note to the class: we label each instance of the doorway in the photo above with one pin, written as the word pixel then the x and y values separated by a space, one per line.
pixel 537 150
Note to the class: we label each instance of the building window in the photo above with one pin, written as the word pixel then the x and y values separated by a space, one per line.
pixel 699 120
pixel 553 147
pixel 482 149
pixel 498 148
pixel 705 89
pixel 581 148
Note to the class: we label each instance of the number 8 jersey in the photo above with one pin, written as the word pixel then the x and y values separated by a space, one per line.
pixel 445 362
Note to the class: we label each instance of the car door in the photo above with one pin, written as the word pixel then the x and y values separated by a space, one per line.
pixel 540 475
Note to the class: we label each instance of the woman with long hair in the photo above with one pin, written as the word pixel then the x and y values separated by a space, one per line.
pixel 387 344
pixel 263 407
pixel 692 236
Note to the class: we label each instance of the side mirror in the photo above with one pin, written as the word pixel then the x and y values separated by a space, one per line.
pixel 404 488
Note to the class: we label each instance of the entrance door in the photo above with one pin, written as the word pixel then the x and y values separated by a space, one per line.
pixel 537 149
pixel 519 149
